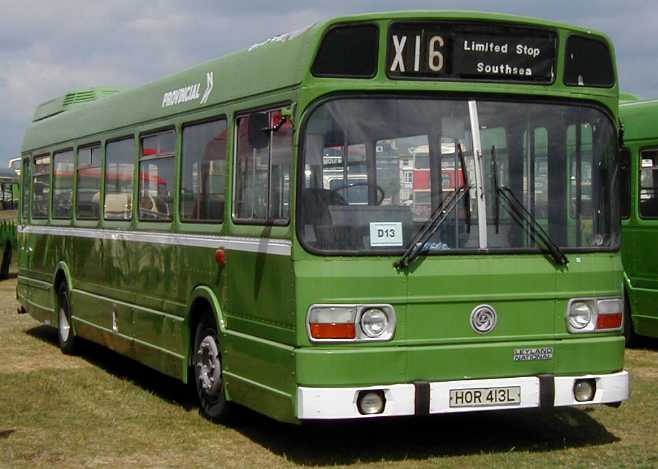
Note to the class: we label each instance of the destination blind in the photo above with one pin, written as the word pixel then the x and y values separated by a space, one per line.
pixel 448 51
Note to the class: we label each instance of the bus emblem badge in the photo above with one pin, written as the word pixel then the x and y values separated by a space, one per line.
pixel 484 319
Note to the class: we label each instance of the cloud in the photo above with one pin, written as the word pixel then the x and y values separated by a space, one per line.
pixel 48 48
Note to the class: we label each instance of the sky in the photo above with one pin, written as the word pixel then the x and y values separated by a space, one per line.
pixel 48 48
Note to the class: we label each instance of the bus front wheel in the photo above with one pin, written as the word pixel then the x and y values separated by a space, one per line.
pixel 64 329
pixel 208 373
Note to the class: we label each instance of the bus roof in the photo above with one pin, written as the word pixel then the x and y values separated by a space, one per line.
pixel 278 63
pixel 639 118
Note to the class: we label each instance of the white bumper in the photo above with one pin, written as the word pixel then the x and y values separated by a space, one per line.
pixel 403 399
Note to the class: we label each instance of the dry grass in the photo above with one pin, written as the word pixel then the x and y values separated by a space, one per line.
pixel 102 410
pixel 8 215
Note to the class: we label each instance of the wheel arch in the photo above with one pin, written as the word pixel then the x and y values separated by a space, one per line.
pixel 62 273
pixel 627 289
pixel 202 299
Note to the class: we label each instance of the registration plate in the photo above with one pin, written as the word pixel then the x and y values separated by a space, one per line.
pixel 485 397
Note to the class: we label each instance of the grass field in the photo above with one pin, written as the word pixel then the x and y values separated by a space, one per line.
pixel 101 410
pixel 8 215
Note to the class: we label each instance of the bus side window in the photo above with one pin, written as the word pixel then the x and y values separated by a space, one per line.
pixel 62 184
pixel 203 187
pixel 88 183
pixel 625 183
pixel 649 184
pixel 41 187
pixel 157 176
pixel 25 186
pixel 119 179
pixel 262 170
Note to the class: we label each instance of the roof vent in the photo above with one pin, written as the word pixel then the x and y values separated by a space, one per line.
pixel 71 99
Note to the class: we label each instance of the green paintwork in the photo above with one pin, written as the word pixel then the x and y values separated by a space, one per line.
pixel 260 300
pixel 69 100
pixel 625 97
pixel 8 245
pixel 7 233
pixel 638 250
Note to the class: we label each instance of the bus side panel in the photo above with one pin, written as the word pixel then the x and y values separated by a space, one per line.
pixel 41 252
pixel 641 263
pixel 85 260
pixel 260 375
pixel 159 285
pixel 260 295
pixel 644 310
pixel 36 296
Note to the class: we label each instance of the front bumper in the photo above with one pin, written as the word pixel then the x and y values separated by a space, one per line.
pixel 424 398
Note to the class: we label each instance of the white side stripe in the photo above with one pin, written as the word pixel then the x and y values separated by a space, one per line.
pixel 277 247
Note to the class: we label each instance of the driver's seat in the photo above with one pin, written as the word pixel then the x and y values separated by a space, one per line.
pixel 315 213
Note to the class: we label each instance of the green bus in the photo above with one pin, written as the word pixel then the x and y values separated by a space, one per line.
pixel 639 179
pixel 250 224
pixel 9 189
pixel 9 193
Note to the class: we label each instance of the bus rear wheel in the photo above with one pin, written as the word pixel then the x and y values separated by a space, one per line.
pixel 208 371
pixel 64 330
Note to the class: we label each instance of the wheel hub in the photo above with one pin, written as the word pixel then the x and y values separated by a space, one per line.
pixel 64 326
pixel 208 365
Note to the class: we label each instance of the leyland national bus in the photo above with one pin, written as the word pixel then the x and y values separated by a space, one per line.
pixel 213 229
pixel 640 217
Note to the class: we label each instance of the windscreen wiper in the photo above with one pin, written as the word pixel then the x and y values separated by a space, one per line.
pixel 495 181
pixel 521 214
pixel 467 199
pixel 439 215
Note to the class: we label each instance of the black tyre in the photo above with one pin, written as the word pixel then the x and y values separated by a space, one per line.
pixel 208 372
pixel 6 262
pixel 67 339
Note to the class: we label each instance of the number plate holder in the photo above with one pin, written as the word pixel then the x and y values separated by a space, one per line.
pixel 486 397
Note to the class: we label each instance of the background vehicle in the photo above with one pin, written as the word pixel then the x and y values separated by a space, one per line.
pixel 639 181
pixel 9 193
pixel 365 218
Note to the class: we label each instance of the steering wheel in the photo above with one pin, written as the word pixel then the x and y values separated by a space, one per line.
pixel 380 191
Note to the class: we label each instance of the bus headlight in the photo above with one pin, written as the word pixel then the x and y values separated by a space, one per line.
pixel 332 322
pixel 350 323
pixel 595 314
pixel 374 322
pixel 580 315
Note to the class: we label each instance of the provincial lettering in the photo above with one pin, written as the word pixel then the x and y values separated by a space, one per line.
pixel 181 95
